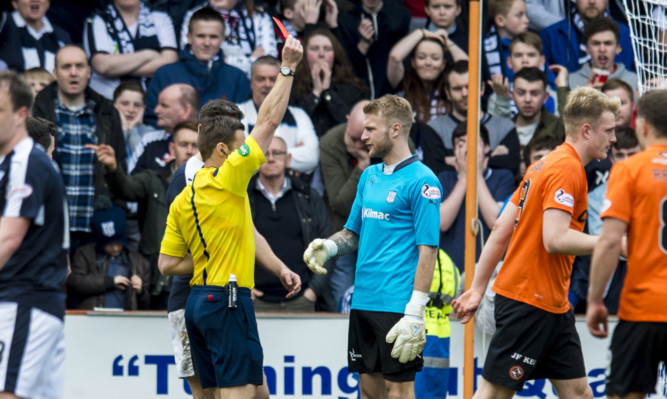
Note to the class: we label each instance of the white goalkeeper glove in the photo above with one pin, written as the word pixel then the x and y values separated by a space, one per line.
pixel 317 253
pixel 409 333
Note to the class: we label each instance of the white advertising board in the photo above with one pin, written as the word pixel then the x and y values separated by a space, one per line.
pixel 125 355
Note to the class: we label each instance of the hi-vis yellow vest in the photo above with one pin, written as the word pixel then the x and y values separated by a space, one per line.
pixel 445 284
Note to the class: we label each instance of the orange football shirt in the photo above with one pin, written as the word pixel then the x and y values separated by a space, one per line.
pixel 637 195
pixel 530 274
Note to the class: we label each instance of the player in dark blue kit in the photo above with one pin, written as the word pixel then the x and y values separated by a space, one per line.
pixel 395 225
pixel 33 255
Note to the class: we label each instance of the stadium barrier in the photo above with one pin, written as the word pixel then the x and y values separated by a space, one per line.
pixel 129 355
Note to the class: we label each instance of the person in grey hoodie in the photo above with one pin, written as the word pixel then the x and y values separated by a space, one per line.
pixel 602 43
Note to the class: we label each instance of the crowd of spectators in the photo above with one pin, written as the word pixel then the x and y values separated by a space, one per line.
pixel 119 84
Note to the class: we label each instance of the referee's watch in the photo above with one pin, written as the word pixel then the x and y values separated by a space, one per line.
pixel 285 71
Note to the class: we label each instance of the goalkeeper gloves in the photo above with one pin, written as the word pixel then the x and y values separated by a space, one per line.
pixel 317 253
pixel 409 333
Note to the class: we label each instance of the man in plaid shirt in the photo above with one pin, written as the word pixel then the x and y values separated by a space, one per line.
pixel 82 117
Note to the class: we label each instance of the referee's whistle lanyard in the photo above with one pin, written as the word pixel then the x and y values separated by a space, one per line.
pixel 201 235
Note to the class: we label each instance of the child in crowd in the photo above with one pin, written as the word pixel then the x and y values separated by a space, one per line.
pixel 442 18
pixel 508 19
pixel 105 273
pixel 525 50
pixel 128 98
pixel 301 16
pixel 38 78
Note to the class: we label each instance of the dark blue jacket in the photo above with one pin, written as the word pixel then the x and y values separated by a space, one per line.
pixel 556 52
pixel 220 80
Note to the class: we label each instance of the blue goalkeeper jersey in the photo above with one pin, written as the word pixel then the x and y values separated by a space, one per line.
pixel 393 214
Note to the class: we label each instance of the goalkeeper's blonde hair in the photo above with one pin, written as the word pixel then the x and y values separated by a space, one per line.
pixel 586 105
pixel 392 109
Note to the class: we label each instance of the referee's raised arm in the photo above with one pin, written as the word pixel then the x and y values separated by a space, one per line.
pixel 273 108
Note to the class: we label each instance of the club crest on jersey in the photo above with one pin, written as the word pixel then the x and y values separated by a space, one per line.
pixel 108 229
pixel 430 192
pixel 391 197
pixel 516 372
pixel 564 198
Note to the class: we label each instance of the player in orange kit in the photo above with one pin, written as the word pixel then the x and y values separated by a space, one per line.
pixel 636 204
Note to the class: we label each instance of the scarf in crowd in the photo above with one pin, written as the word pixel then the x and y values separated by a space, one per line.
pixel 492 51
pixel 119 31
pixel 578 24
pixel 234 35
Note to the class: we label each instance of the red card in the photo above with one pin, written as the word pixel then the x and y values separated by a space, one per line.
pixel 283 31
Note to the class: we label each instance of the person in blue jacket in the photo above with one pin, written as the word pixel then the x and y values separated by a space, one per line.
pixel 564 41
pixel 201 65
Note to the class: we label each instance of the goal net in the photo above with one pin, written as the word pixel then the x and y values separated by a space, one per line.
pixel 647 20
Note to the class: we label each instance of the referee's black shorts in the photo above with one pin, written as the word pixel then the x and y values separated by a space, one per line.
pixel 531 343
pixel 368 350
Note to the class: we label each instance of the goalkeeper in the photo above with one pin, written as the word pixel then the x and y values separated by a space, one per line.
pixel 394 224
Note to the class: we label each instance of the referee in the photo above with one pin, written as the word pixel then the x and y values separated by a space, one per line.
pixel 211 218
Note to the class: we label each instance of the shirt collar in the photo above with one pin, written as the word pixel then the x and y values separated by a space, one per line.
pixel 89 105
pixel 287 185
pixel 20 22
pixel 390 169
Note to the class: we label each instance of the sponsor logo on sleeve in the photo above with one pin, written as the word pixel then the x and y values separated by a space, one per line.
pixel 430 192
pixel 19 192
pixel 564 198
pixel 244 150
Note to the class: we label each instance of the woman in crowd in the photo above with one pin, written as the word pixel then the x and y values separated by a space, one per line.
pixel 249 32
pixel 423 83
pixel 326 87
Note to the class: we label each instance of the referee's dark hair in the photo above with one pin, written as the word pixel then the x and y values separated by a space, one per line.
pixel 41 130
pixel 220 107
pixel 19 90
pixel 216 130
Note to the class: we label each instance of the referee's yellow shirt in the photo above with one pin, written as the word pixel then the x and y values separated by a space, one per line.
pixel 211 218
